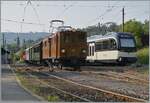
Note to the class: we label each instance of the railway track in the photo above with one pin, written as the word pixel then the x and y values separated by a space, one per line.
pixel 105 93
pixel 87 93
pixel 132 77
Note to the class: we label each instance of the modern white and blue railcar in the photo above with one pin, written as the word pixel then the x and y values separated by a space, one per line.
pixel 114 47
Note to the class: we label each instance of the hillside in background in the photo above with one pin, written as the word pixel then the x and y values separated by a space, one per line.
pixel 11 37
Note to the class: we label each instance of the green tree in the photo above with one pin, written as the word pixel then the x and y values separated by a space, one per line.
pixel 101 29
pixel 146 27
pixel 134 27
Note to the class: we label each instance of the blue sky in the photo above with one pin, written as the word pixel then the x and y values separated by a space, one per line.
pixel 78 14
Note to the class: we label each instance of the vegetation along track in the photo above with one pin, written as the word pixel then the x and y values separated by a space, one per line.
pixel 80 91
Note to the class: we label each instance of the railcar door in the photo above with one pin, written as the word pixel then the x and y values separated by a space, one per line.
pixel 91 51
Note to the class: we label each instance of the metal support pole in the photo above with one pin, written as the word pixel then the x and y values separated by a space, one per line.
pixel 123 19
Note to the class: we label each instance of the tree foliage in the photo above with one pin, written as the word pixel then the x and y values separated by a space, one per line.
pixel 146 27
pixel 134 27
pixel 101 29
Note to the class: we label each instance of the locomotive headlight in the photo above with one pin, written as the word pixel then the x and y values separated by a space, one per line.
pixel 83 51
pixel 63 50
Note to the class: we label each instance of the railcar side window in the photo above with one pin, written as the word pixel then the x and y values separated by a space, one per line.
pixel 106 45
pixel 99 45
pixel 113 44
pixel 109 44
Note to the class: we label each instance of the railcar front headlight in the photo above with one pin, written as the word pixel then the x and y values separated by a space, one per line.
pixel 63 50
pixel 120 59
pixel 83 51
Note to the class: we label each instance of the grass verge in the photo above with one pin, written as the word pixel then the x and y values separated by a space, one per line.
pixel 37 88
pixel 143 56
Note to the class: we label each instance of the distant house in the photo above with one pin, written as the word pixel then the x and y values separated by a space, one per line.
pixel 5 56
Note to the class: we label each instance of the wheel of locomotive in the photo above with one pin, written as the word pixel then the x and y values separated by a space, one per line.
pixel 59 66
pixel 51 67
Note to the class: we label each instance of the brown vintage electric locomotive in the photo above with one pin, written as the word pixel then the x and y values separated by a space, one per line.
pixel 64 47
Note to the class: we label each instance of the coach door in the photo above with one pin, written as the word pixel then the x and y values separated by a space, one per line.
pixel 49 40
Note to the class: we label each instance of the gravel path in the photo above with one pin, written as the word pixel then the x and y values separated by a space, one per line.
pixel 11 90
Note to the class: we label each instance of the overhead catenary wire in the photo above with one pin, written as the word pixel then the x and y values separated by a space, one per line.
pixel 23 16
pixel 15 21
pixel 79 5
pixel 103 14
pixel 35 12
pixel 66 9
pixel 29 2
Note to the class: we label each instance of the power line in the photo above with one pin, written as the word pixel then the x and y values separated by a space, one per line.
pixel 56 5
pixel 123 19
pixel 108 10
pixel 31 23
pixel 114 18
pixel 67 8
pixel 29 2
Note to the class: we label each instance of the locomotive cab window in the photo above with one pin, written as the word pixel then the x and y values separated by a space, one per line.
pixel 82 37
pixel 45 43
pixel 65 38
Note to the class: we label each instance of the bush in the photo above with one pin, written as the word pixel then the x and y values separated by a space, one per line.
pixel 138 42
pixel 143 55
pixel 52 98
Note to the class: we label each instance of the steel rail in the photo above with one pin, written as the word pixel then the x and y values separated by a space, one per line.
pixel 131 77
pixel 119 76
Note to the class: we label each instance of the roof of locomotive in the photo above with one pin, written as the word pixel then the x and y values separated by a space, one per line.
pixel 62 30
pixel 108 35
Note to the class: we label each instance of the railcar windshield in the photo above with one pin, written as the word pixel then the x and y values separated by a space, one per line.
pixel 127 42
